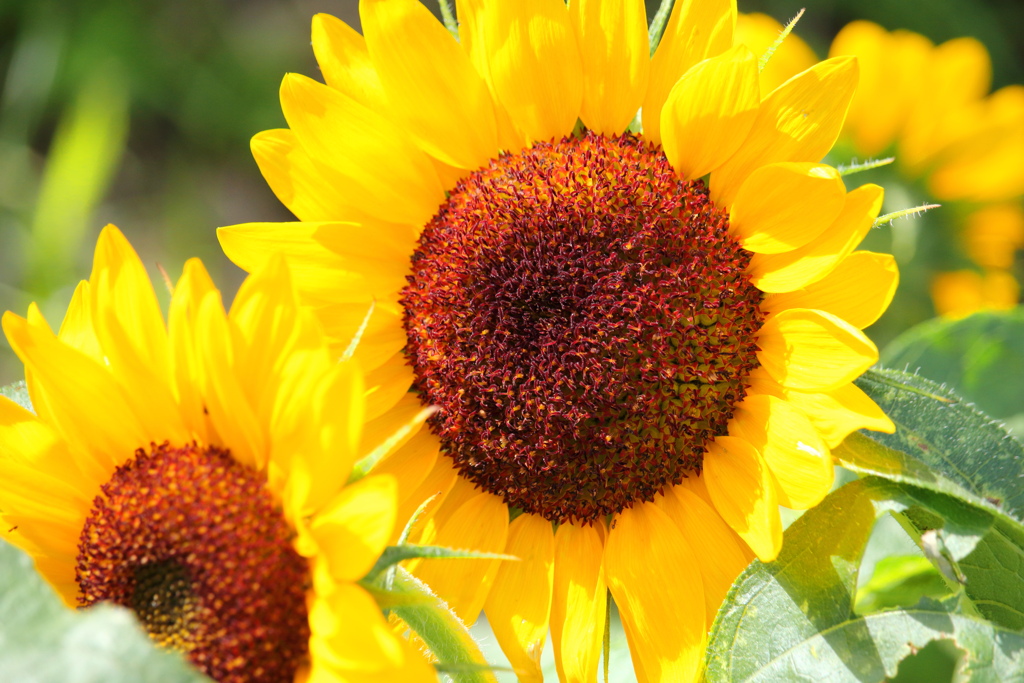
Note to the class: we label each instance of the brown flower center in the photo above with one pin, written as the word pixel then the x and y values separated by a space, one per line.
pixel 583 319
pixel 191 540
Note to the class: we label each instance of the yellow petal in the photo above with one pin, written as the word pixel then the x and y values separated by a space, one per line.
pixel 798 121
pixel 431 86
pixel 613 43
pixel 534 65
pixel 838 413
pixel 231 413
pixel 709 112
pixel 811 350
pixel 435 487
pixel 130 328
pixel 472 38
pixel 520 601
pixel 743 491
pixel 858 290
pixel 316 430
pixel 411 464
pixel 696 30
pixel 781 207
pixel 385 174
pixel 77 329
pixel 378 325
pixel 345 62
pixel 579 602
pixel 387 385
pixel 790 445
pixel 304 185
pixel 354 528
pixel 193 285
pixel 351 641
pixel 652 574
pixel 795 269
pixel 87 406
pixel 723 555
pixel 479 524
pixel 325 256
pixel 994 234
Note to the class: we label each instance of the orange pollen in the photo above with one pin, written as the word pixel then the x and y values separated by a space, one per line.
pixel 193 543
pixel 584 320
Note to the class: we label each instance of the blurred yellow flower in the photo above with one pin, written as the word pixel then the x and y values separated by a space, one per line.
pixel 929 106
pixel 634 369
pixel 194 472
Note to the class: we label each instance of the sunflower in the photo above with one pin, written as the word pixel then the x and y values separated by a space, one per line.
pixel 930 107
pixel 634 366
pixel 195 472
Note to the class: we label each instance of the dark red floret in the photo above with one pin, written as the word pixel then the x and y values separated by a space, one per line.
pixel 583 319
pixel 191 540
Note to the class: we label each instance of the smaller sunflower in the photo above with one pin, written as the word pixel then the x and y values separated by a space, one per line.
pixel 194 472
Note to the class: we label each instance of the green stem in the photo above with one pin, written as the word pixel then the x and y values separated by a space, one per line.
pixel 448 17
pixel 442 631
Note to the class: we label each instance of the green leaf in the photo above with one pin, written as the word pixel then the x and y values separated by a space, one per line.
pixel 18 392
pixel 43 641
pixel 941 443
pixel 977 355
pixel 900 581
pixel 794 619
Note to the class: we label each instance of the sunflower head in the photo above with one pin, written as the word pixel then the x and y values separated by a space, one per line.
pixel 194 472
pixel 626 280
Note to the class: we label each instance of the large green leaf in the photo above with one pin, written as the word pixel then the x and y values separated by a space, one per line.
pixel 977 355
pixel 945 446
pixel 44 642
pixel 794 619
pixel 941 443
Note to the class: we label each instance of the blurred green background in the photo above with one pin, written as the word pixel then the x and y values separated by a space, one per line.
pixel 139 113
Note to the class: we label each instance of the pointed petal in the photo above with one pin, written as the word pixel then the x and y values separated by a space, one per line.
pixel 354 528
pixel 810 350
pixel 345 62
pixel 722 553
pixel 534 65
pixel 793 270
pixel 87 406
pixel 579 603
pixel 301 183
pixel 481 523
pixel 799 121
pixel 840 412
pixel 759 32
pixel 709 112
pixel 431 86
pixel 781 207
pixel 696 30
pixel 858 290
pixel 652 574
pixel 519 604
pixel 790 445
pixel 743 491
pixel 385 174
pixel 613 43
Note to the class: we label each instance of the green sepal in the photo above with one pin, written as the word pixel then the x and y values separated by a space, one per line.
pixel 394 554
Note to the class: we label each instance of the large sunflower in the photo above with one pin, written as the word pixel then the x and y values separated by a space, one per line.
pixel 195 472
pixel 634 366
pixel 930 107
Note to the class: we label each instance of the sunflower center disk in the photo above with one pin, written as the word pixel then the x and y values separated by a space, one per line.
pixel 192 542
pixel 583 320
